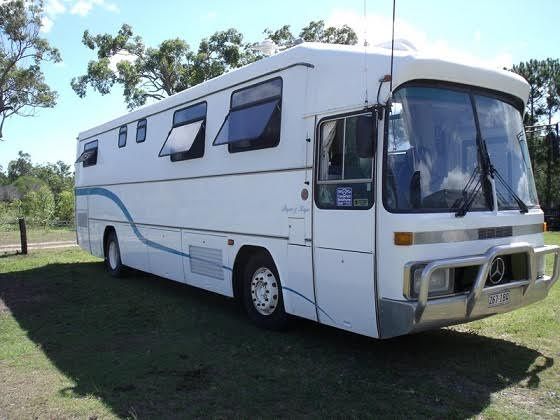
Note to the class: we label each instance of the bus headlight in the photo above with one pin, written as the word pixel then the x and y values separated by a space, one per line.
pixel 441 282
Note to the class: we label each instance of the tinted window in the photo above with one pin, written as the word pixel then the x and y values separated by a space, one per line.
pixel 192 113
pixel 236 127
pixel 141 131
pixel 186 138
pixel 122 136
pixel 431 149
pixel 254 119
pixel 89 155
pixel 344 176
pixel 260 92
pixel 501 127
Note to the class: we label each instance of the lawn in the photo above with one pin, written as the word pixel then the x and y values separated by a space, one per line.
pixel 11 235
pixel 75 342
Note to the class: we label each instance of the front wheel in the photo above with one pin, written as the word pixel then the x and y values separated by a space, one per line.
pixel 113 260
pixel 262 293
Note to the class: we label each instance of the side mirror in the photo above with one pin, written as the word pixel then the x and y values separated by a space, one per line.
pixel 366 135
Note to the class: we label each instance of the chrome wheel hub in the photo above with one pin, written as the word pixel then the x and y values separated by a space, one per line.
pixel 113 255
pixel 264 291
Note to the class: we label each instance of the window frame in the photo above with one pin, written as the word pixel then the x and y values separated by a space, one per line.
pixel 256 145
pixel 121 131
pixel 180 156
pixel 85 149
pixel 342 182
pixel 470 90
pixel 145 121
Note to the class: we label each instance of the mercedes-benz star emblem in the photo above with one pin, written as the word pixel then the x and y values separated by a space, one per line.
pixel 497 271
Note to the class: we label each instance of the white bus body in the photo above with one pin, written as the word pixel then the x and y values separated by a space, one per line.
pixel 370 241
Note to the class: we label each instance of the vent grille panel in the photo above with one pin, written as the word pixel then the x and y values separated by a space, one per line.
pixel 206 262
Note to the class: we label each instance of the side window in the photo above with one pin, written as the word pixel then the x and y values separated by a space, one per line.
pixel 253 121
pixel 122 136
pixel 186 138
pixel 141 128
pixel 89 155
pixel 345 163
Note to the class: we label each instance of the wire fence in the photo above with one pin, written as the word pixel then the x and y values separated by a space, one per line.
pixel 16 235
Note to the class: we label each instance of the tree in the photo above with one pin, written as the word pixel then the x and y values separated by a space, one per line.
pixel 154 73
pixel 20 167
pixel 147 73
pixel 56 175
pixel 552 87
pixel 22 52
pixel 65 206
pixel 315 31
pixel 282 37
pixel 221 52
pixel 533 72
pixel 39 205
pixel 3 177
pixel 26 183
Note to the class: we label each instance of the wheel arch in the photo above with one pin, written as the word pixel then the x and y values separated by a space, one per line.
pixel 241 259
pixel 108 230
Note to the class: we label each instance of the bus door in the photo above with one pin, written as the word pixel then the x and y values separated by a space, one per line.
pixel 343 222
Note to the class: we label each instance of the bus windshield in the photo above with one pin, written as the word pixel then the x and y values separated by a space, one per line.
pixel 432 151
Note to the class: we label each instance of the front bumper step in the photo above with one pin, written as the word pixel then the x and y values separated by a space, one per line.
pixel 399 317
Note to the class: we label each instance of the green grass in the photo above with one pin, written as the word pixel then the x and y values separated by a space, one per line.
pixel 38 234
pixel 75 342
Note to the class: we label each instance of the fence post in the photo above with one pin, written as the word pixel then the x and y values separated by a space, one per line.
pixel 23 235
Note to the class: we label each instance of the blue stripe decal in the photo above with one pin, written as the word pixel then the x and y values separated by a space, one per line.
pixel 310 301
pixel 113 197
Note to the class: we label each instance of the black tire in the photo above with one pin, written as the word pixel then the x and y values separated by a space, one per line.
pixel 113 263
pixel 277 319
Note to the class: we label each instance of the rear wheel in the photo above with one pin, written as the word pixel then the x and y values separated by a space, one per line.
pixel 113 260
pixel 262 293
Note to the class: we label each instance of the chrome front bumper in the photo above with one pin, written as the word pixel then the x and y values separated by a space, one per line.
pixel 398 317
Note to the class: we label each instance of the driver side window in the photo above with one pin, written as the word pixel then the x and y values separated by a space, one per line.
pixel 345 164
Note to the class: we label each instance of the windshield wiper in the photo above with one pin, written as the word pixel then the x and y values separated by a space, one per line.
pixel 494 174
pixel 468 193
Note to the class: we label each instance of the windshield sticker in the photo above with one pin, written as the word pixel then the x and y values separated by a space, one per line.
pixel 344 197
pixel 361 202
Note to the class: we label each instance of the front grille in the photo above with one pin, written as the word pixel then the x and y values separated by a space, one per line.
pixel 495 232
pixel 515 268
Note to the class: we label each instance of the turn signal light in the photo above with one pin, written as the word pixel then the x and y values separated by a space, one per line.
pixel 403 238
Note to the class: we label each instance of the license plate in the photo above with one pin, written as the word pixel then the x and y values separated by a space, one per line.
pixel 497 299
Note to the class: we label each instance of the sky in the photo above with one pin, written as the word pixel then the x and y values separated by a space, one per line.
pixel 494 32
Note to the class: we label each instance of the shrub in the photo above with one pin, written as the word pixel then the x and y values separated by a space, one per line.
pixel 65 206
pixel 39 206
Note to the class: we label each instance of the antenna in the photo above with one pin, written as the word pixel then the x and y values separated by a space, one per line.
pixel 392 49
pixel 365 54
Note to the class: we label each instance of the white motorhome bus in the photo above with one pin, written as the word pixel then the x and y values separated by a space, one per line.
pixel 302 186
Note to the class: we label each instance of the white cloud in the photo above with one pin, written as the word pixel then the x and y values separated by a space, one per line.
pixel 118 57
pixel 83 7
pixel 378 30
pixel 46 24
pixel 54 8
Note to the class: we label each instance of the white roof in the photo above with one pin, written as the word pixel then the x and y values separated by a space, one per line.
pixel 408 65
